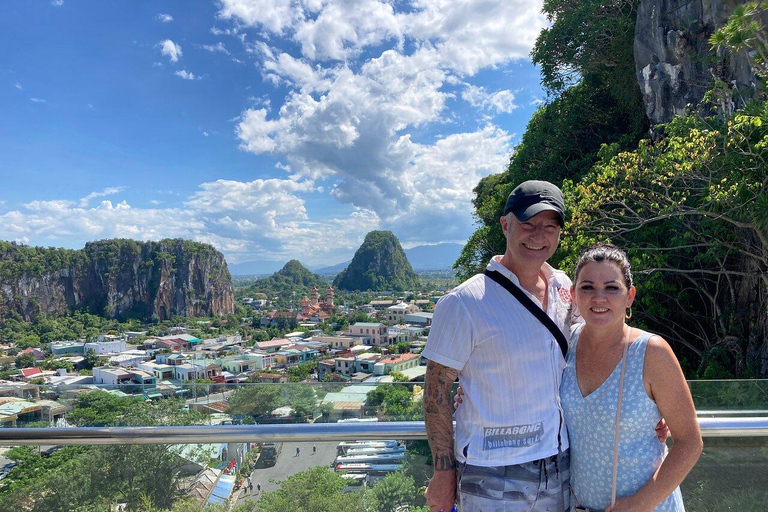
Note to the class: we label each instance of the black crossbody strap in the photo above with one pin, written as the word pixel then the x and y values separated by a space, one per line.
pixel 535 310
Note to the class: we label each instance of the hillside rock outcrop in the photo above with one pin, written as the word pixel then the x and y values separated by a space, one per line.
pixel 116 278
pixel 673 60
pixel 379 264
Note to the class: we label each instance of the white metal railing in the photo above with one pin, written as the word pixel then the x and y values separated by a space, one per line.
pixel 405 430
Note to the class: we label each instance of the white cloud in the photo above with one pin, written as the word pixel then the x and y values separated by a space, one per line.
pixel 274 15
pixel 471 35
pixel 468 35
pixel 218 47
pixel 57 3
pixel 258 195
pixel 295 71
pixel 500 101
pixel 165 18
pixel 353 130
pixel 38 100
pixel 205 134
pixel 170 49
pixel 343 28
pixel 109 191
pixel 18 86
pixel 186 75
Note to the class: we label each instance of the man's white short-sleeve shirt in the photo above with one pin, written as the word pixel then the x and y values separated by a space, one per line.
pixel 509 365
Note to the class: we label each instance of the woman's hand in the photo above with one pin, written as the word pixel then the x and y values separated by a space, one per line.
pixel 630 504
pixel 457 399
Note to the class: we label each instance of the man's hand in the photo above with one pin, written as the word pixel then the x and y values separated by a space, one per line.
pixel 441 492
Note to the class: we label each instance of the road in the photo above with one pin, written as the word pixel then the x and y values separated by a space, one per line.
pixel 289 464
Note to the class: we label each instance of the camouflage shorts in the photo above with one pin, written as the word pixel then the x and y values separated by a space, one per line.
pixel 538 486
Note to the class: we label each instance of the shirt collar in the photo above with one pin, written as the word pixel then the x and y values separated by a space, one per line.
pixel 495 264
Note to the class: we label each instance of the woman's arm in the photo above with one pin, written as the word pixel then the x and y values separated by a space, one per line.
pixel 666 385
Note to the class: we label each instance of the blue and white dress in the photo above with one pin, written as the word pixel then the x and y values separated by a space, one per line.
pixel 591 421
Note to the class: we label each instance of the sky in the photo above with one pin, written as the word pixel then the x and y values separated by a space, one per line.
pixel 271 129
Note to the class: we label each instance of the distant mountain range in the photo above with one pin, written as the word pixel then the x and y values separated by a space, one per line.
pixel 422 257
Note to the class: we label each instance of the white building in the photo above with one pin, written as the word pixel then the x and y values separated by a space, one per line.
pixel 114 346
pixel 188 371
pixel 396 314
pixel 111 376
pixel 372 333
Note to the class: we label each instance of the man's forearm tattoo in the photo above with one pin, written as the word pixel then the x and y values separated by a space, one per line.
pixel 438 414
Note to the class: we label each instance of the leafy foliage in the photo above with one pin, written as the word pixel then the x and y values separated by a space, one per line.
pixel 394 402
pixel 692 209
pixel 94 477
pixel 314 490
pixel 254 400
pixel 746 30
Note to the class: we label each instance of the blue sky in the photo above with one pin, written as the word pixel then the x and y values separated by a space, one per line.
pixel 272 129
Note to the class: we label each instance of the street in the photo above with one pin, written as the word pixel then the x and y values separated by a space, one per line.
pixel 289 464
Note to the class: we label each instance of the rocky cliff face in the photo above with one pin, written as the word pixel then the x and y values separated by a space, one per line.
pixel 673 60
pixel 119 278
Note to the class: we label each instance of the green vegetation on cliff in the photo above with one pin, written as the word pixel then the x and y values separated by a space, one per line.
pixel 116 278
pixel 379 264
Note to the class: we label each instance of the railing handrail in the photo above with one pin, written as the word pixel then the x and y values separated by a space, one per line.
pixel 302 432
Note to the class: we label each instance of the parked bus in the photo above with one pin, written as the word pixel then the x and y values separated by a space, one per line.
pixel 370 458
pixel 370 469
pixel 342 447
pixel 362 450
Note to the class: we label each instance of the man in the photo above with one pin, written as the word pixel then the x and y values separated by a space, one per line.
pixel 511 443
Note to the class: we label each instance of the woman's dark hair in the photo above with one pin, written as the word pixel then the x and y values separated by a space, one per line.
pixel 609 253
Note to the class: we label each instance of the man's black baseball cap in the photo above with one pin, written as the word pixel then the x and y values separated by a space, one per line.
pixel 533 197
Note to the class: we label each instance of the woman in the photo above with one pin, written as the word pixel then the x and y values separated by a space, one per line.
pixel 654 387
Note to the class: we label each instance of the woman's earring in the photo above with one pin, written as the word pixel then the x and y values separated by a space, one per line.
pixel 629 313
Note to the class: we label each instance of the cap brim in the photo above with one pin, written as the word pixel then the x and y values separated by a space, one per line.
pixel 535 209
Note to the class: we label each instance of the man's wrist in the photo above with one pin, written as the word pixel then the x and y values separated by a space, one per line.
pixel 444 463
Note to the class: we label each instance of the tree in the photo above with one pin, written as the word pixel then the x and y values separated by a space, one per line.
pixel 301 398
pixel 394 401
pixel 396 491
pixel 301 372
pixel 199 387
pixel 399 377
pixel 254 400
pixel 693 211
pixel 25 360
pixel 314 490
pixel 91 359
